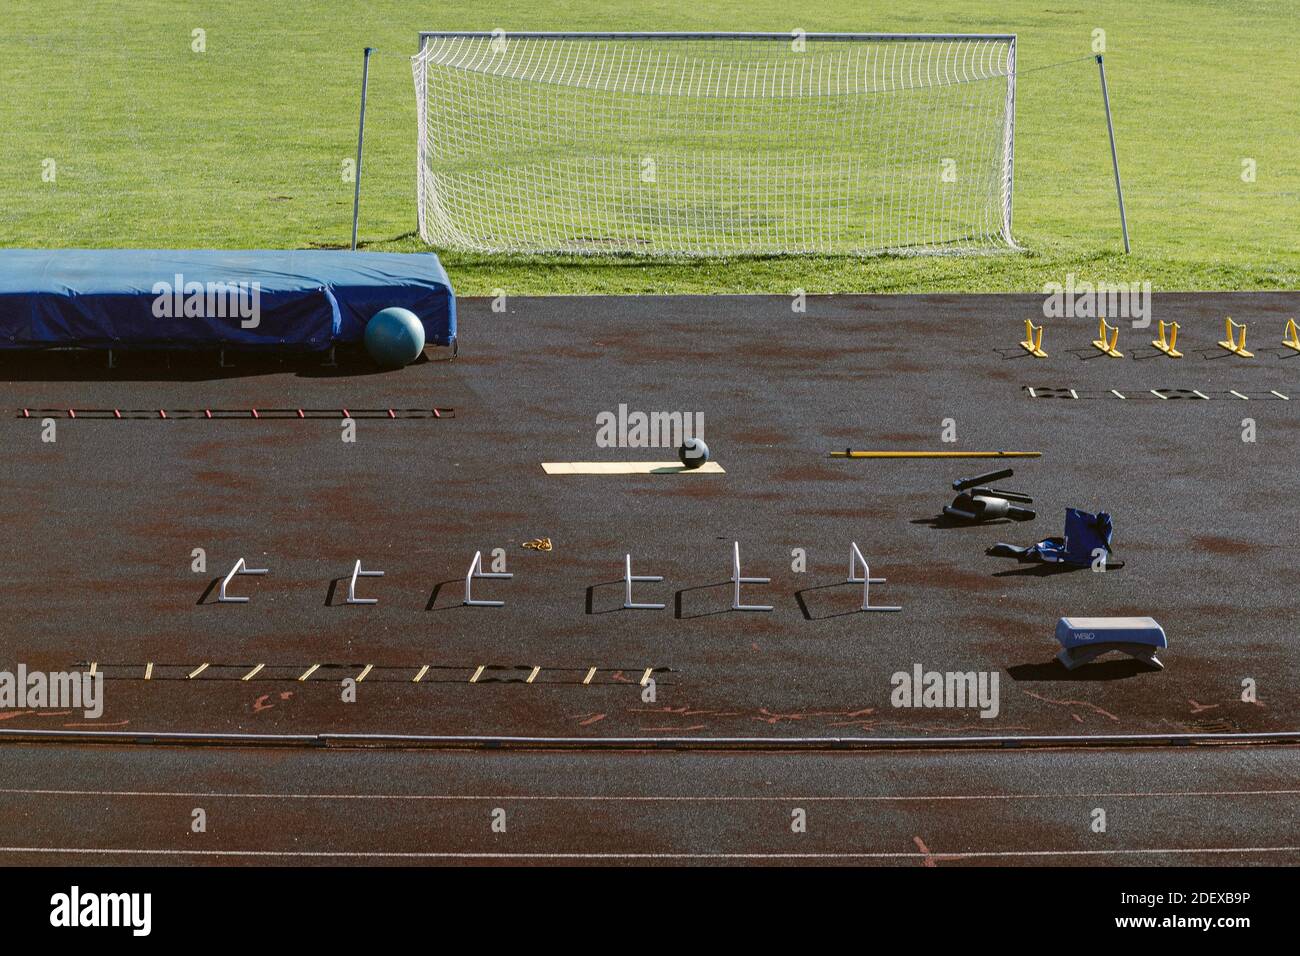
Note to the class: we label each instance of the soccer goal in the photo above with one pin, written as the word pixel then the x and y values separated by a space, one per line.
pixel 716 144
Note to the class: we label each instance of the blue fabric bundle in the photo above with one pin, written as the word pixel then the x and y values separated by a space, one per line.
pixel 1085 533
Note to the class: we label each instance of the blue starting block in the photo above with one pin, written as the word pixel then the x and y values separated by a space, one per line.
pixel 1084 639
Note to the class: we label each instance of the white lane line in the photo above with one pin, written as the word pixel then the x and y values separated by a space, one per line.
pixel 665 798
pixel 436 855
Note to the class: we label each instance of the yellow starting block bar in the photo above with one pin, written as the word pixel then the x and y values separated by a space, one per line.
pixel 1234 344
pixel 1033 343
pixel 1166 345
pixel 1291 337
pixel 1107 344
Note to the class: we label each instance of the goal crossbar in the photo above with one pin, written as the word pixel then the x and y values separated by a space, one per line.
pixel 652 35
pixel 716 144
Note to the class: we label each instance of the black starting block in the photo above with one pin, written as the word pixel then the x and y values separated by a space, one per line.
pixel 977 501
pixel 1084 639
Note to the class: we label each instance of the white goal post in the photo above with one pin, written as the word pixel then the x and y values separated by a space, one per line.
pixel 716 144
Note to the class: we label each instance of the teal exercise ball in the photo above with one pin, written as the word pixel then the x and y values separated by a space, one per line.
pixel 394 337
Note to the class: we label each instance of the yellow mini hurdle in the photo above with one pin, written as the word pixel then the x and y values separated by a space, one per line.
pixel 1033 343
pixel 1166 345
pixel 1107 344
pixel 1233 343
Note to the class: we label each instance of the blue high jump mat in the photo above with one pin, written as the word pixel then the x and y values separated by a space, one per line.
pixel 307 300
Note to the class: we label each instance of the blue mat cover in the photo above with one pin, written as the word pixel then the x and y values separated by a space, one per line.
pixel 141 298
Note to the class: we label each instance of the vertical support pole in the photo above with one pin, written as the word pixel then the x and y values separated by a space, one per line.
pixel 1009 146
pixel 737 580
pixel 628 579
pixel 361 141
pixel 1114 157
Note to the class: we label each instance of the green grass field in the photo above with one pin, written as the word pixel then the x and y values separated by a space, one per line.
pixel 243 146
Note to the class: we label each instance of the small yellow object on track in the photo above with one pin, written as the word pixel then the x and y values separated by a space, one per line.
pixel 537 544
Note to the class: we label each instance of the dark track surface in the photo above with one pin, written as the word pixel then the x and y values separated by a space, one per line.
pixel 1189 806
pixel 100 526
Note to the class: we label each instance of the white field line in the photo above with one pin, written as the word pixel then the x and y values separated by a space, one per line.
pixel 664 798
pixel 435 855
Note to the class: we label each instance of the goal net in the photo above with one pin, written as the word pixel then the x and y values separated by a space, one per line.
pixel 715 144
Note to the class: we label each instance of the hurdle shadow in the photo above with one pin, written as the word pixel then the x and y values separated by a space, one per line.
pixel 332 590
pixel 1149 352
pixel 432 603
pixel 807 612
pixel 1213 353
pixel 1054 670
pixel 207 592
pixel 591 597
pixel 1009 355
pixel 678 602
pixel 1087 354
